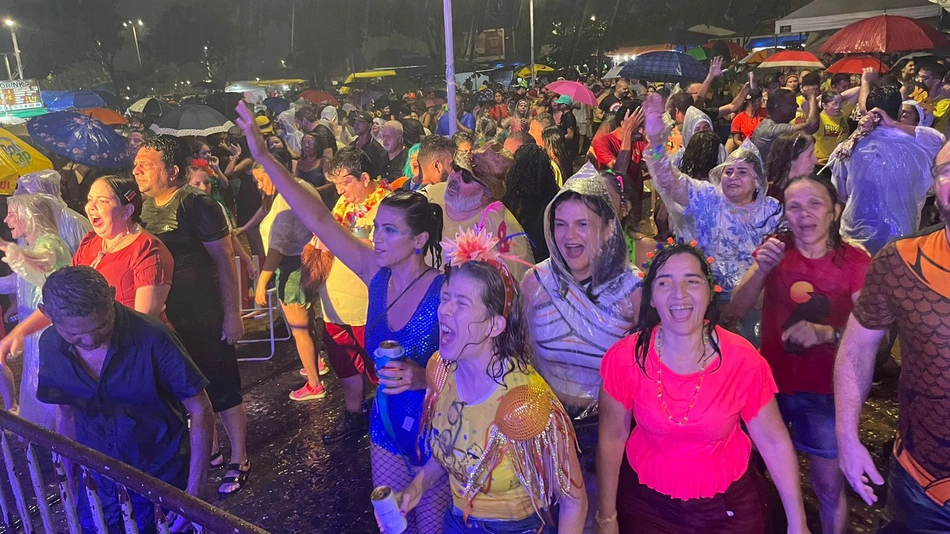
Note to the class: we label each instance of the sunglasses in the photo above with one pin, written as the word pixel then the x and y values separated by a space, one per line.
pixel 467 176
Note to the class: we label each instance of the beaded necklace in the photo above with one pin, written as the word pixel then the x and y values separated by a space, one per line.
pixel 658 344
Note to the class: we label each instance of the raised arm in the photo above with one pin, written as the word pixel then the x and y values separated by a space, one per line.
pixel 355 254
pixel 715 70
pixel 672 182
pixel 736 104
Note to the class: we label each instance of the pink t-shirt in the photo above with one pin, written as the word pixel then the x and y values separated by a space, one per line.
pixel 710 451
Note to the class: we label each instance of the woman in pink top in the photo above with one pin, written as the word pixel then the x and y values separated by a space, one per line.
pixel 689 384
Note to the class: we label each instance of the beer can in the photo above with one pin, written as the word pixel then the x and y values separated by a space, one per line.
pixel 387 510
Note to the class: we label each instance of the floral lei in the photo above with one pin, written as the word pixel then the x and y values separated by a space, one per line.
pixel 349 214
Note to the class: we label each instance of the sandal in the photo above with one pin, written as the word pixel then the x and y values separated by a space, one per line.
pixel 240 479
pixel 217 460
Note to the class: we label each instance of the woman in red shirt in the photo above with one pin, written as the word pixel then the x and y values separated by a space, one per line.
pixel 811 280
pixel 747 120
pixel 132 260
pixel 689 384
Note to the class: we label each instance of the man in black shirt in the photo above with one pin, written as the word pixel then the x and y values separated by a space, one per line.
pixel 203 304
pixel 568 126
pixel 363 128
pixel 391 138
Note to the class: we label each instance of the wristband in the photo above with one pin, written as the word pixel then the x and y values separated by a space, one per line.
pixel 605 520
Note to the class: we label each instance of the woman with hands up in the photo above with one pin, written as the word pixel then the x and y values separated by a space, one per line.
pixel 404 296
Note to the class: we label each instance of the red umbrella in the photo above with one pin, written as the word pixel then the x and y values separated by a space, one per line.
pixel 792 58
pixel 319 97
pixel 856 65
pixel 884 34
pixel 105 116
pixel 577 91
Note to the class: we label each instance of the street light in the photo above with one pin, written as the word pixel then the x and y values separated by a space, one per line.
pixel 16 48
pixel 135 36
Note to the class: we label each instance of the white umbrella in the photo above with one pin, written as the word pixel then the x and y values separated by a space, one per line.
pixel 150 106
pixel 613 73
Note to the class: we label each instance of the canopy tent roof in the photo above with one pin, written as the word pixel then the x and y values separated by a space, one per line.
pixel 832 15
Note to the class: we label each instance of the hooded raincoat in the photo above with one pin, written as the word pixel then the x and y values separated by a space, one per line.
pixel 572 323
pixel 72 225
pixel 691 121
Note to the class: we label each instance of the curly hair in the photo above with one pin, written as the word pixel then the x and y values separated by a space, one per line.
pixel 169 148
pixel 701 155
pixel 650 317
pixel 510 350
pixel 530 176
pixel 79 291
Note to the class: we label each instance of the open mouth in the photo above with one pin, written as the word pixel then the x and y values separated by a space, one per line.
pixel 95 221
pixel 681 312
pixel 573 251
pixel 446 335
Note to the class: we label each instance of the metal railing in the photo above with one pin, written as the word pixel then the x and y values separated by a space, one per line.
pixel 165 497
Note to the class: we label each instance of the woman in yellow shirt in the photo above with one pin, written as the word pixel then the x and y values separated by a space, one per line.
pixel 832 126
pixel 496 427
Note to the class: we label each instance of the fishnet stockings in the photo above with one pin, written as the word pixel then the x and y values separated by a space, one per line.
pixel 390 470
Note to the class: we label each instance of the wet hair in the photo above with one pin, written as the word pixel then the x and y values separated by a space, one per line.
pixel 932 65
pixel 412 130
pixel 524 137
pixel 420 216
pixel 701 155
pixel 282 154
pixel 556 146
pixel 546 120
pixel 78 291
pixel 510 348
pixel 126 189
pixel 463 137
pixel 840 77
pixel 486 128
pixel 777 98
pixel 828 96
pixel 772 79
pixel 681 102
pixel 434 146
pixel 169 149
pixel 812 78
pixel 834 234
pixel 324 139
pixel 196 147
pixel 352 160
pixel 650 317
pixel 786 149
pixel 530 179
pixel 887 98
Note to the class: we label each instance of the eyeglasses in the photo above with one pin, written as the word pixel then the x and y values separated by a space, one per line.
pixel 467 176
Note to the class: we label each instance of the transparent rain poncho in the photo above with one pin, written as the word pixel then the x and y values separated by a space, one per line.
pixel 42 253
pixel 727 232
pixel 883 180
pixel 572 324
pixel 72 226
pixel 691 121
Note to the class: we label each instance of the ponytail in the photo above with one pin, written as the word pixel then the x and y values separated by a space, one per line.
pixel 421 216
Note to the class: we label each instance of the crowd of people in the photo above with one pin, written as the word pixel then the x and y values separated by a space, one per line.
pixel 554 346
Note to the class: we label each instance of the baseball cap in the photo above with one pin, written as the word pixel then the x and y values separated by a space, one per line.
pixel 363 116
pixel 564 99
pixel 264 124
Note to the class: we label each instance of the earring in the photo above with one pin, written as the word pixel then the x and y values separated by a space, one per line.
pixel 418 251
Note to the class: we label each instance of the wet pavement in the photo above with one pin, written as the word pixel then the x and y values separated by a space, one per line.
pixel 298 484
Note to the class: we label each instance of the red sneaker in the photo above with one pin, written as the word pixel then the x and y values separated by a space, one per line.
pixel 307 393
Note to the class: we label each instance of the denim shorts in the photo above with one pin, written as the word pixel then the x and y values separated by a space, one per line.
pixel 909 509
pixel 455 524
pixel 810 418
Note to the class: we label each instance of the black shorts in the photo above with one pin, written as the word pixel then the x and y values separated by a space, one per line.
pixel 217 360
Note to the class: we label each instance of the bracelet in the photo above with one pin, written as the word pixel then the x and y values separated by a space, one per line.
pixel 605 520
pixel 656 152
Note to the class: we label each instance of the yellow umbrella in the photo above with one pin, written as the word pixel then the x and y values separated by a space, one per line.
pixel 16 159
pixel 367 75
pixel 538 69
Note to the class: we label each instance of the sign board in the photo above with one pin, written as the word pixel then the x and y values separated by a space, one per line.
pixel 19 95
pixel 490 45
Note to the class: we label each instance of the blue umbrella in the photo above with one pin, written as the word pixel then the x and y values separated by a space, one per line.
pixel 673 67
pixel 81 139
pixel 83 99
pixel 276 104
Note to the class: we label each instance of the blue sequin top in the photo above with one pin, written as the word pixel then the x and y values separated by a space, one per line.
pixel 420 339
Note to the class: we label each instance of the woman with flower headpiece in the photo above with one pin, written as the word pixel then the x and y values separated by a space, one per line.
pixel 496 427
pixel 728 216
pixel 690 385
pixel 32 219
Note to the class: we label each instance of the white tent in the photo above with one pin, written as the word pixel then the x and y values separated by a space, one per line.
pixel 836 14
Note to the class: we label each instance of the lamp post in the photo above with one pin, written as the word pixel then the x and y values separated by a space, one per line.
pixel 135 36
pixel 531 16
pixel 449 65
pixel 16 47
